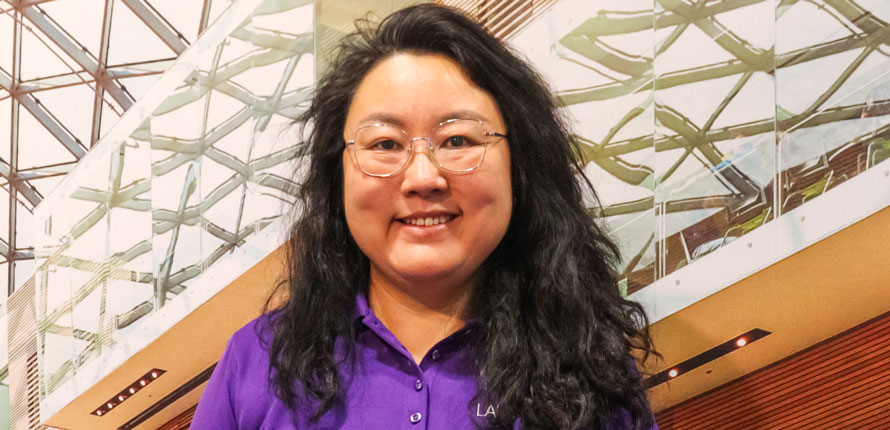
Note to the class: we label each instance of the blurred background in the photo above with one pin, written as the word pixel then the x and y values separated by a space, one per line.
pixel 738 149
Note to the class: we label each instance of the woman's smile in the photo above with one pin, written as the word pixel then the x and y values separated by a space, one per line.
pixel 427 220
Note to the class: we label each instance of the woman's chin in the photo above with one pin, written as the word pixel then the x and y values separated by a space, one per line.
pixel 426 273
pixel 429 271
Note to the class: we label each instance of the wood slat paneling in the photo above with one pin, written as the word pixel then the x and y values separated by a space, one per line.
pixel 840 383
pixel 503 18
pixel 181 422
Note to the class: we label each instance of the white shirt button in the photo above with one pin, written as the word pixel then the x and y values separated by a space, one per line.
pixel 436 354
pixel 418 385
pixel 415 417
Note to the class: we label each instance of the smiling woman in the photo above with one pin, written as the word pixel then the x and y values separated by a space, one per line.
pixel 443 269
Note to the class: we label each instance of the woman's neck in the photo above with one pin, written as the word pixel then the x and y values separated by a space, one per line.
pixel 418 317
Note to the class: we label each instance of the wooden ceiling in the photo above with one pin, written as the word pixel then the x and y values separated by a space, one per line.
pixel 825 289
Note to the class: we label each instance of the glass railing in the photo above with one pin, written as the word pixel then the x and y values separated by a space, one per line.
pixel 189 183
pixel 701 123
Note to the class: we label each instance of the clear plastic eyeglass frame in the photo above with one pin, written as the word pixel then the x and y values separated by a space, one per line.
pixel 429 146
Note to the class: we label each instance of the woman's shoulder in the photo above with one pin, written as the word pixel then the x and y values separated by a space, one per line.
pixel 251 342
pixel 238 394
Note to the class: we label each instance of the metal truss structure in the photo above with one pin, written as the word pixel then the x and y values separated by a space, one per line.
pixel 68 71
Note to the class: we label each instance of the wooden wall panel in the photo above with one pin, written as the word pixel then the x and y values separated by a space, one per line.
pixel 841 383
pixel 181 422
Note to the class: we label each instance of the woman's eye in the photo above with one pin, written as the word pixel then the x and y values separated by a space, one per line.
pixel 387 145
pixel 456 142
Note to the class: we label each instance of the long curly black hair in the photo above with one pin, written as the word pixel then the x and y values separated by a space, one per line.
pixel 557 335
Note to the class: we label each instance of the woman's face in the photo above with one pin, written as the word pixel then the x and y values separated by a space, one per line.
pixel 415 93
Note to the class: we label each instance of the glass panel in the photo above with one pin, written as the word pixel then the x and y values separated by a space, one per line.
pixel 600 63
pixel 176 240
pixel 163 197
pixel 714 127
pixel 56 269
pixel 129 257
pixel 834 104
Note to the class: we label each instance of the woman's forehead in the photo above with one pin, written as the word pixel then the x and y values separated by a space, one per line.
pixel 409 90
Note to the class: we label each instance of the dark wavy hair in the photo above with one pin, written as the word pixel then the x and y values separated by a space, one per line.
pixel 557 335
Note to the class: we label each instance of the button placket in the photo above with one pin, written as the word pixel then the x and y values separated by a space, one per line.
pixel 418 404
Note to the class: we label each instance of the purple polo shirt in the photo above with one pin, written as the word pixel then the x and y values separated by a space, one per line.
pixel 385 390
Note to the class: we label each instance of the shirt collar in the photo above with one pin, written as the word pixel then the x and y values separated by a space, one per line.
pixel 362 312
pixel 362 309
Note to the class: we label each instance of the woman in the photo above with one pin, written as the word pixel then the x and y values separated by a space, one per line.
pixel 444 272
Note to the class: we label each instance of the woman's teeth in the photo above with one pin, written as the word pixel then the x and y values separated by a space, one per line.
pixel 428 220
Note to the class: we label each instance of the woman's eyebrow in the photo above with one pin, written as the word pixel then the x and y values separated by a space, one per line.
pixel 394 120
pixel 384 118
pixel 462 114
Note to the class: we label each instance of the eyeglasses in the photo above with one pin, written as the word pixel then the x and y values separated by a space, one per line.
pixel 456 145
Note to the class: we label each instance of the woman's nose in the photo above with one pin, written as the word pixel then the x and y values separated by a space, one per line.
pixel 422 175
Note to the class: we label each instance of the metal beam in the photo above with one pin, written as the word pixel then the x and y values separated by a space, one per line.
pixel 13 146
pixel 58 81
pixel 205 16
pixel 77 52
pixel 14 256
pixel 46 171
pixel 17 181
pixel 155 67
pixel 169 35
pixel 99 95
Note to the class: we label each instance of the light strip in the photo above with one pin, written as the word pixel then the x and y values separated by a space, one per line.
pixel 128 392
pixel 706 357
